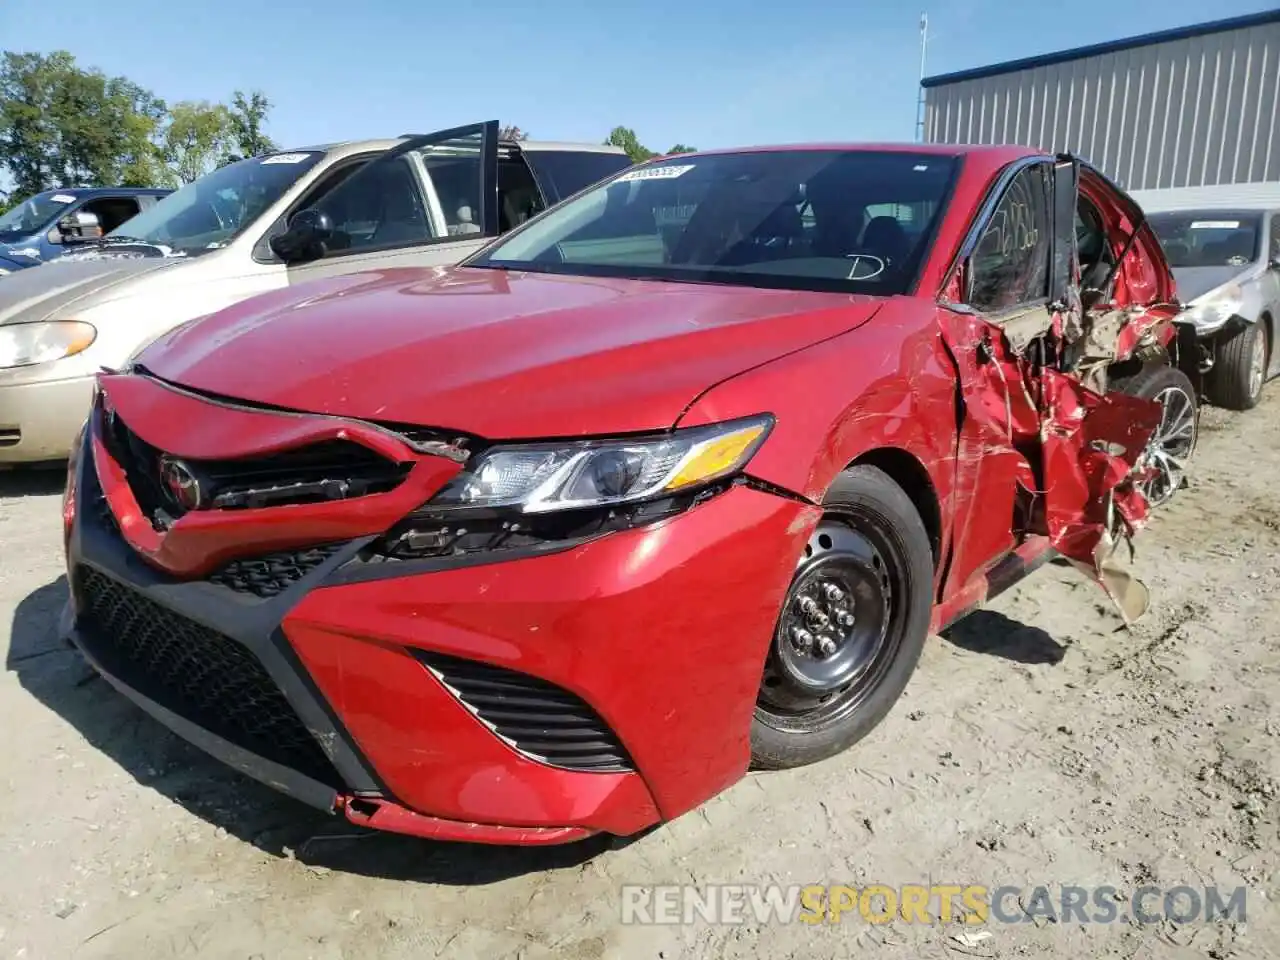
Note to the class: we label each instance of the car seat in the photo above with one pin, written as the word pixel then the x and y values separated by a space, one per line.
pixel 402 219
pixel 885 238
pixel 465 224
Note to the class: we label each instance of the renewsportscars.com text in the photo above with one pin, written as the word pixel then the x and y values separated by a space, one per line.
pixel 927 904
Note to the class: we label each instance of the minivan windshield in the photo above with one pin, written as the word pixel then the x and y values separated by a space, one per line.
pixel 847 220
pixel 214 210
pixel 1208 238
pixel 33 213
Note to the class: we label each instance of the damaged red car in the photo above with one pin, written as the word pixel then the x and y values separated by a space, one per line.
pixel 674 479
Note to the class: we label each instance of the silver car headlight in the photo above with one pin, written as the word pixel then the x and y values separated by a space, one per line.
pixel 549 477
pixel 25 344
pixel 1211 312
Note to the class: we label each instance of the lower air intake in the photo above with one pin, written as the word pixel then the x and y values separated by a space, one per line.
pixel 201 675
pixel 541 720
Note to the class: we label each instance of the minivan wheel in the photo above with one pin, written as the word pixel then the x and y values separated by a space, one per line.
pixel 1240 367
pixel 852 626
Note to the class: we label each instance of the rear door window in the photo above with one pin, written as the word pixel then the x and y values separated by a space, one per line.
pixel 563 173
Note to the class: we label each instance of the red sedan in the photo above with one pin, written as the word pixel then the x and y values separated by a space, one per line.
pixel 672 480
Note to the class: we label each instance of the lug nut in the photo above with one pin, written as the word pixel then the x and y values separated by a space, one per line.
pixel 809 607
pixel 846 618
pixel 834 593
pixel 801 639
pixel 826 646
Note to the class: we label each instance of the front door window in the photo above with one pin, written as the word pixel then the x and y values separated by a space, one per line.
pixel 426 190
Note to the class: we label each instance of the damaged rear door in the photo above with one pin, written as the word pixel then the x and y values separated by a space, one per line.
pixel 1042 447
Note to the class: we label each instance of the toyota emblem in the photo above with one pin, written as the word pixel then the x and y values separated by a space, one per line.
pixel 181 484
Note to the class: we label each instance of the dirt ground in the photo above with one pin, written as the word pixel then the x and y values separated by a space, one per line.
pixel 1040 743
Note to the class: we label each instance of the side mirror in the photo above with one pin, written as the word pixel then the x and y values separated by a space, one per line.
pixel 78 227
pixel 306 237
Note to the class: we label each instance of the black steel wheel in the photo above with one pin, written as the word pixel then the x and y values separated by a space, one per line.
pixel 851 628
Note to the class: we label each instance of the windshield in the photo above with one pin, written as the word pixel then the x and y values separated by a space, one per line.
pixel 32 214
pixel 213 210
pixel 856 220
pixel 1208 238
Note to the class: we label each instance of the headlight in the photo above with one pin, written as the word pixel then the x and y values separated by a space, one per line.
pixel 1213 310
pixel 539 496
pixel 24 344
pixel 543 478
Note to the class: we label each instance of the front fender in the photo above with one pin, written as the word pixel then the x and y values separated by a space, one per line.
pixel 888 384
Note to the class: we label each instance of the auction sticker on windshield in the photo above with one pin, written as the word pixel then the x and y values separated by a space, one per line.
pixel 286 158
pixel 63 198
pixel 656 173
pixel 1215 225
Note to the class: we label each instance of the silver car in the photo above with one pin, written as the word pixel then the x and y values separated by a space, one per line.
pixel 255 226
pixel 1227 266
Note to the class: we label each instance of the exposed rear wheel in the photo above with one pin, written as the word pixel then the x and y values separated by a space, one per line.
pixel 1174 440
pixel 1240 367
pixel 852 626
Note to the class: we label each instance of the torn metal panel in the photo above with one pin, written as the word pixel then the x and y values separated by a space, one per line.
pixel 1038 425
pixel 1091 445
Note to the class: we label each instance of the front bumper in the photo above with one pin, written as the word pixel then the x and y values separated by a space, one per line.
pixel 369 680
pixel 39 420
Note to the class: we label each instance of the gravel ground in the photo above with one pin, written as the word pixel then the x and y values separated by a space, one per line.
pixel 1039 743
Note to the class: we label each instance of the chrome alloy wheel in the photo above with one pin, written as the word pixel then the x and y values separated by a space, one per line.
pixel 1170 446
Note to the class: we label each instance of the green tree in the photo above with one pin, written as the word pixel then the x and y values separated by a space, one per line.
pixel 61 125
pixel 198 136
pixel 246 115
pixel 681 148
pixel 512 133
pixel 626 138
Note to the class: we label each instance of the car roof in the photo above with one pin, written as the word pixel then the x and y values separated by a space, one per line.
pixel 532 146
pixel 981 158
pixel 81 192
pixel 347 148
pixel 932 149
pixel 1216 213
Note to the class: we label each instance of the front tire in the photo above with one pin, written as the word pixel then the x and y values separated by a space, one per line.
pixel 852 626
pixel 1240 367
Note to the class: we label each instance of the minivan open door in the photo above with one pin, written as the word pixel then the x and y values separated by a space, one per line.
pixel 436 189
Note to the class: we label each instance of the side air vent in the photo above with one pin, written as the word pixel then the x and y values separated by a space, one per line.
pixel 541 720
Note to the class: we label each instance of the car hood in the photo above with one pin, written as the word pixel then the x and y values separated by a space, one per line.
pixel 52 290
pixel 1194 282
pixel 502 355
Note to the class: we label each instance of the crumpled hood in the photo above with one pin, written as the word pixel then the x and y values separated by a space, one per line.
pixel 48 291
pixel 1194 282
pixel 500 355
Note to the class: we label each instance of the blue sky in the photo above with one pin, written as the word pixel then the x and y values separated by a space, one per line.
pixel 710 73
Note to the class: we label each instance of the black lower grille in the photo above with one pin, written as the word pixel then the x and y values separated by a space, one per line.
pixel 271 575
pixel 536 717
pixel 199 674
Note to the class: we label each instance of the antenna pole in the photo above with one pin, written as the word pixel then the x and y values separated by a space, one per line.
pixel 924 47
